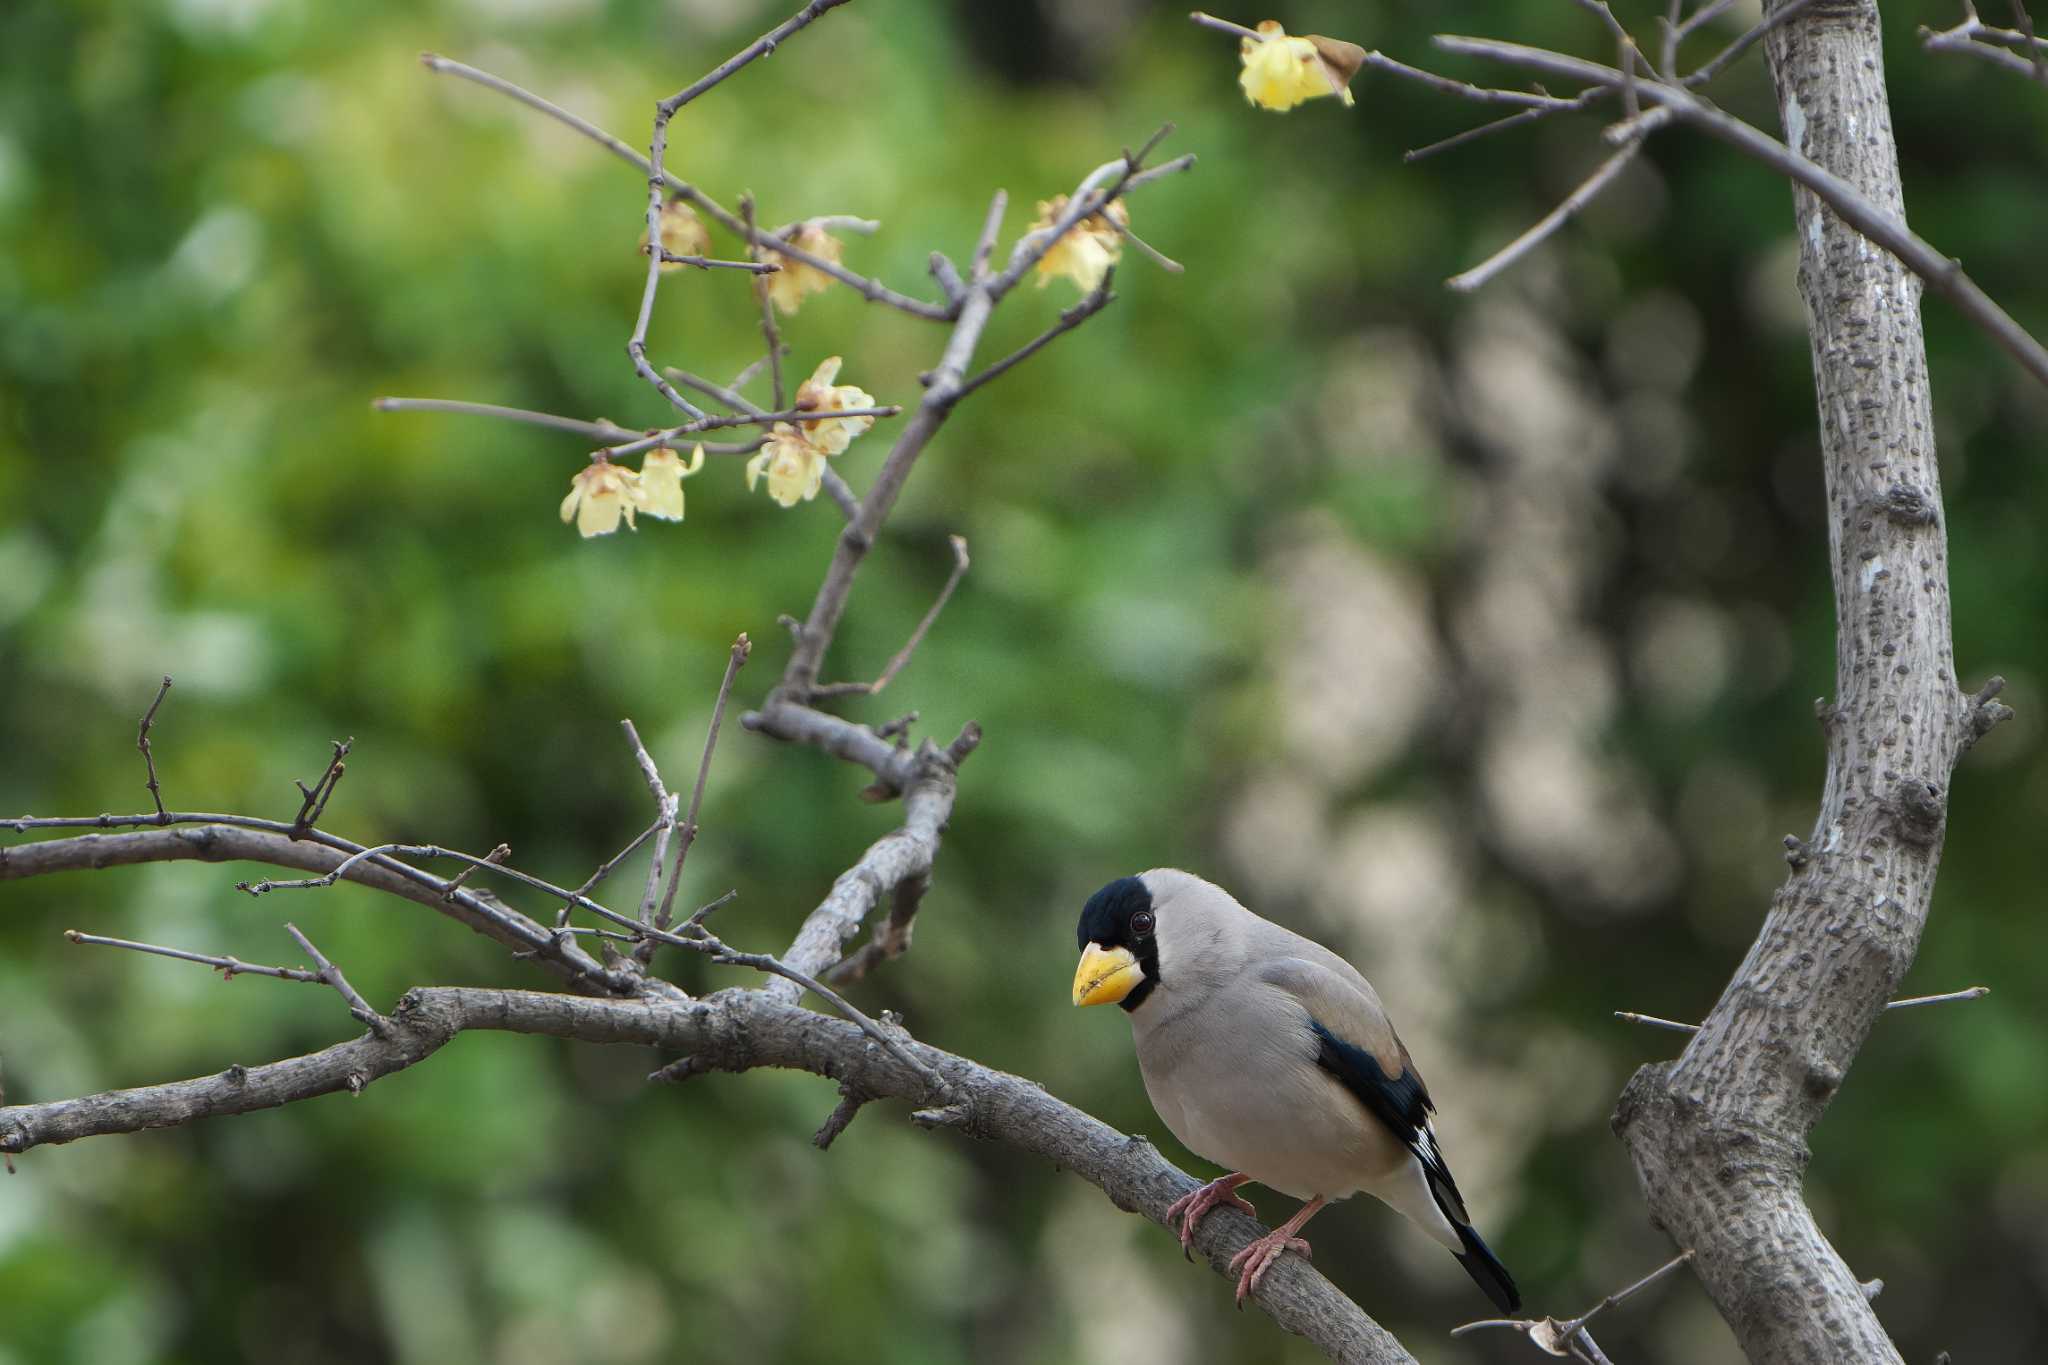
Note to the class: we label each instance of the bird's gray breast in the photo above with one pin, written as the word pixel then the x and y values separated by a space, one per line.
pixel 1235 1079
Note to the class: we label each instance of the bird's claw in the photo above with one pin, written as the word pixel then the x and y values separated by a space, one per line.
pixel 1190 1208
pixel 1259 1256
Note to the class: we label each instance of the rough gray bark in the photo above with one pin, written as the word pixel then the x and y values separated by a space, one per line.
pixel 1719 1137
pixel 736 1030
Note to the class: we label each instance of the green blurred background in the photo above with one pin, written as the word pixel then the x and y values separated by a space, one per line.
pixel 1477 636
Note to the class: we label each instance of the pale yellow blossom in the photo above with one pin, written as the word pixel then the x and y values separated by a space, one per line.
pixel 599 495
pixel 1085 254
pixel 660 485
pixel 795 468
pixel 818 394
pixel 1281 71
pixel 682 234
pixel 797 280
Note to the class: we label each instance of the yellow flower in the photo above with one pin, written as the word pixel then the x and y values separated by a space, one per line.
pixel 1280 72
pixel 599 495
pixel 1089 248
pixel 682 234
pixel 795 467
pixel 789 286
pixel 660 485
pixel 818 394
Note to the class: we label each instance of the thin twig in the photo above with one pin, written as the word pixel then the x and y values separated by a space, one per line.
pixel 602 432
pixel 712 263
pixel 1943 274
pixel 872 290
pixel 762 962
pixel 1947 997
pixel 1568 1336
pixel 747 419
pixel 1972 993
pixel 770 334
pixel 850 1102
pixel 1465 89
pixel 753 367
pixel 742 649
pixel 229 967
pixel 1500 125
pixel 985 244
pixel 142 743
pixel 1566 210
pixel 580 897
pixel 1721 60
pixel 316 796
pixel 762 46
pixel 491 859
pixel 1158 257
pixel 1973 37
pixel 709 908
pixel 902 656
pixel 664 826
pixel 331 974
pixel 1225 26
pixel 1092 303
pixel 645 760
pixel 728 395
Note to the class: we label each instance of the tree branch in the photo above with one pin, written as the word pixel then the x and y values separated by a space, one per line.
pixel 1884 226
pixel 230 838
pixel 737 1030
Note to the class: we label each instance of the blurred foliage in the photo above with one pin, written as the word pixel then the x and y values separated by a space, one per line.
pixel 1477 636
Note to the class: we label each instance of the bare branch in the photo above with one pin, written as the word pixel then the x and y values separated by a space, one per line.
pixel 605 433
pixel 902 656
pixel 770 334
pixel 710 263
pixel 1944 275
pixel 985 244
pixel 331 974
pixel 1225 26
pixel 491 859
pixel 872 290
pixel 1090 304
pixel 664 826
pixel 762 46
pixel 1674 1026
pixel 1559 1337
pixel 212 837
pixel 742 649
pixel 890 941
pixel 228 967
pixel 850 1103
pixel 736 1031
pixel 1974 38
pixel 1585 194
pixel 1773 17
pixel 142 743
pixel 316 796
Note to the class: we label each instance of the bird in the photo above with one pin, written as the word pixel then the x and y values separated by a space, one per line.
pixel 1271 1056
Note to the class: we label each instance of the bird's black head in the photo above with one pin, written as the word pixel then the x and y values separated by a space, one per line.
pixel 1121 915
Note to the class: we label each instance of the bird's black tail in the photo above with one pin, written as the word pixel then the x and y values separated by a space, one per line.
pixel 1486 1270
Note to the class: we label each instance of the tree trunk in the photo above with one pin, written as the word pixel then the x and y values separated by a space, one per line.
pixel 1719 1137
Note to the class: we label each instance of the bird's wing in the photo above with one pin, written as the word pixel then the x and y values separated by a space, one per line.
pixel 1356 1044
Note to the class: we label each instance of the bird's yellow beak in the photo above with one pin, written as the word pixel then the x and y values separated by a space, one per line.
pixel 1106 975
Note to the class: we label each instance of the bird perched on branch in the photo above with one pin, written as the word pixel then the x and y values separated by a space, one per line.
pixel 1269 1055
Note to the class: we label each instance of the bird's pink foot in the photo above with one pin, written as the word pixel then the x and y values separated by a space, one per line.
pixel 1253 1261
pixel 1190 1208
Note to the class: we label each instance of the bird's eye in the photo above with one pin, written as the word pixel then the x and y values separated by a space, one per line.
pixel 1141 923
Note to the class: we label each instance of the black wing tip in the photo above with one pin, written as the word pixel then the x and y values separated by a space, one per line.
pixel 1487 1272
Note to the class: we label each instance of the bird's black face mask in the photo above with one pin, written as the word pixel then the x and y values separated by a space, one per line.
pixel 1119 947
